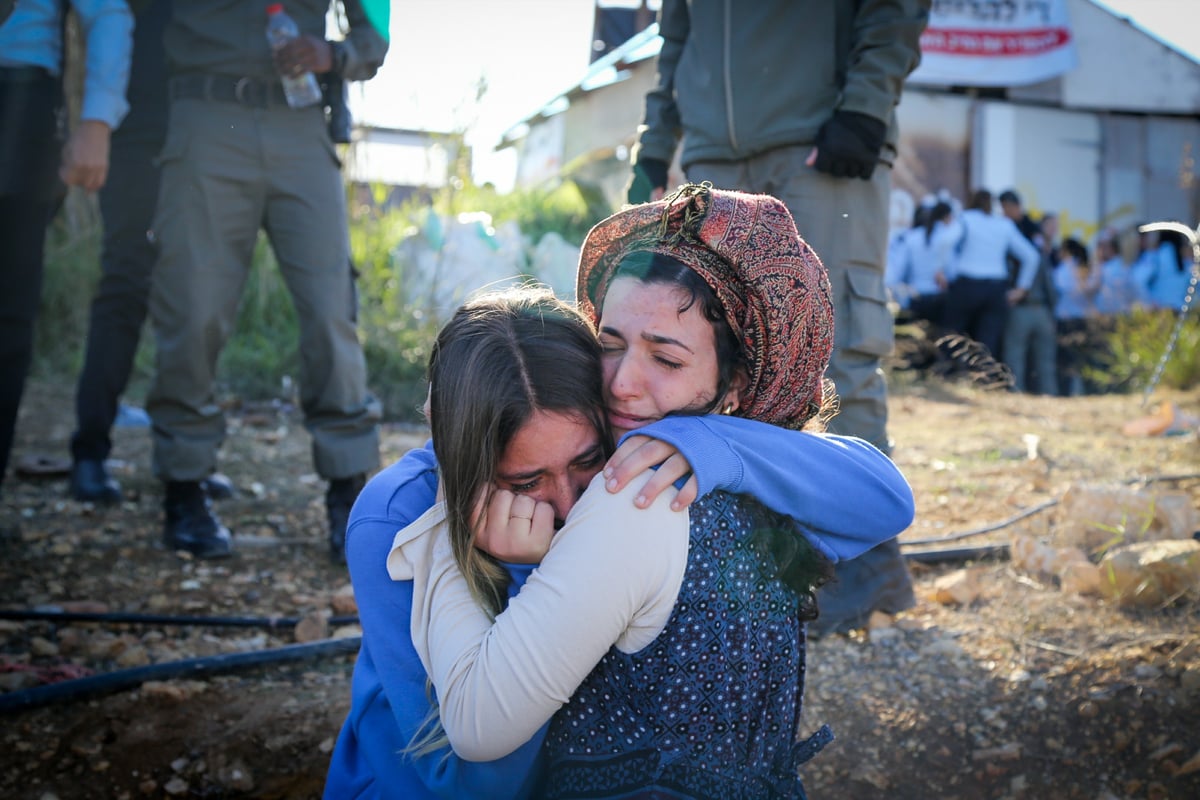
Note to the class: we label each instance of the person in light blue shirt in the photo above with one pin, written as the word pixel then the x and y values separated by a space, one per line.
pixel 978 299
pixel 33 159
pixel 1167 284
pixel 1077 283
pixel 917 271
pixel 1118 285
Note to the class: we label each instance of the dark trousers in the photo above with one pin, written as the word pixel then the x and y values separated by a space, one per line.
pixel 29 192
pixel 978 308
pixel 119 308
pixel 929 307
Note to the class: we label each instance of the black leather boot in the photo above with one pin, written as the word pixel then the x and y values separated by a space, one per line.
pixel 90 482
pixel 339 499
pixel 191 525
pixel 878 580
pixel 218 486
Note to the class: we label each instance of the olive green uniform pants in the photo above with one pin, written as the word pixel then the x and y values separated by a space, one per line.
pixel 229 170
pixel 845 220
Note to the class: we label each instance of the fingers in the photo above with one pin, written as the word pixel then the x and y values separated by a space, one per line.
pixel 664 478
pixel 304 54
pixel 638 454
pixel 89 177
pixel 541 529
pixel 635 455
pixel 687 495
pixel 292 57
pixel 522 508
pixel 516 528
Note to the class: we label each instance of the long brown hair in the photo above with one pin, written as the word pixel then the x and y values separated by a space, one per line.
pixel 500 358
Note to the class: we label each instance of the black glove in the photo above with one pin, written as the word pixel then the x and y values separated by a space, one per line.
pixel 848 145
pixel 648 174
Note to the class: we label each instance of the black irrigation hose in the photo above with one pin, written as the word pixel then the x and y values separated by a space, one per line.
pixel 121 680
pixel 954 537
pixel 160 619
pixel 958 554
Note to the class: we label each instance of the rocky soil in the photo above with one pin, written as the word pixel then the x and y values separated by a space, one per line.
pixel 1025 691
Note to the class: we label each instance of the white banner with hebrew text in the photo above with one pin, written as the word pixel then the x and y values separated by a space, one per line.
pixel 995 43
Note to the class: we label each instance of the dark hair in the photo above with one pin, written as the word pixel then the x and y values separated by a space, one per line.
pixel 500 358
pixel 936 214
pixel 1009 196
pixel 981 200
pixel 655 268
pixel 921 216
pixel 1076 250
pixel 788 556
pixel 1177 241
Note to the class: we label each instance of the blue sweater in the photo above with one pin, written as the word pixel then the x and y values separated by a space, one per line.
pixel 846 494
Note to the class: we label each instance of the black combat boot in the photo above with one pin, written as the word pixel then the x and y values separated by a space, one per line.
pixel 91 482
pixel 191 525
pixel 878 580
pixel 339 499
pixel 219 487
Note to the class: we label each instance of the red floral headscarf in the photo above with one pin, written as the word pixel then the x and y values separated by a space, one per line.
pixel 773 288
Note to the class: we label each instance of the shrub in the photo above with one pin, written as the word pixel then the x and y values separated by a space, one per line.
pixel 1135 346
pixel 395 331
pixel 72 270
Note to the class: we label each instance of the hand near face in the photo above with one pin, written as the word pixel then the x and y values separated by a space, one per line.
pixel 513 527
pixel 638 454
pixel 304 54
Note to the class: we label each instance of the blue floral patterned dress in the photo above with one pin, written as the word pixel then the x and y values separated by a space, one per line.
pixel 710 708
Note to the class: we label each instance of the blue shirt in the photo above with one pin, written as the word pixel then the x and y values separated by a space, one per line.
pixel 917 260
pixel 1118 287
pixel 32 37
pixel 859 500
pixel 983 244
pixel 1167 285
pixel 1076 292
pixel 389 694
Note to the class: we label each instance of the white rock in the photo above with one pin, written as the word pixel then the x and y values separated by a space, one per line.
pixel 1148 574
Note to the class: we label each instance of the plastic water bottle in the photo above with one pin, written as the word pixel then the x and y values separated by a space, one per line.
pixel 301 90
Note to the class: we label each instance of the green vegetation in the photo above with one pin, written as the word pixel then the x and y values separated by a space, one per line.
pixel 263 353
pixel 1135 345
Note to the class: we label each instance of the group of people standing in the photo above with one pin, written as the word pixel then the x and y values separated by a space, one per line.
pixel 1036 302
pixel 188 137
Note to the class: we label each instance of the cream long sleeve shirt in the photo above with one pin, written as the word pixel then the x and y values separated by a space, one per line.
pixel 611 577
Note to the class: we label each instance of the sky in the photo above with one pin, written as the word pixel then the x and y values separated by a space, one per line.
pixel 528 51
pixel 1176 22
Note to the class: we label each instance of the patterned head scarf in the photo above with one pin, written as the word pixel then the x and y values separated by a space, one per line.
pixel 773 288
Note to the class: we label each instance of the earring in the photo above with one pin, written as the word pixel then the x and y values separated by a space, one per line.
pixel 728 409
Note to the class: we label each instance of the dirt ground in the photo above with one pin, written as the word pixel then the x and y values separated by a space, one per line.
pixel 1026 692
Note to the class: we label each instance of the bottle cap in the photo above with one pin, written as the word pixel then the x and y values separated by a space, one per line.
pixel 274 8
